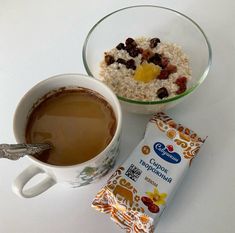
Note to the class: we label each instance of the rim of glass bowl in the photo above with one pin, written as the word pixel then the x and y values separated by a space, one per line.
pixel 190 90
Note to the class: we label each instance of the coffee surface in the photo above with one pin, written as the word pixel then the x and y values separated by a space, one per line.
pixel 78 123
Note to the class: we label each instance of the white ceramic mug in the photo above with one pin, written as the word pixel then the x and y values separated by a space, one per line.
pixel 75 175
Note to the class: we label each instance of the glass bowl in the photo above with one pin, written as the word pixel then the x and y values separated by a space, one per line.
pixel 149 21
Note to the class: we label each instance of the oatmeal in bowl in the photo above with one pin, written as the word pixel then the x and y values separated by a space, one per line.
pixel 151 62
pixel 146 69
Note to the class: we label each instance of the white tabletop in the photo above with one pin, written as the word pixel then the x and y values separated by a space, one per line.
pixel 42 38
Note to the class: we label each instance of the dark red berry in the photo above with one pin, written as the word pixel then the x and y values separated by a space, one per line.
pixel 121 61
pixel 182 88
pixel 130 64
pixel 162 93
pixel 182 83
pixel 109 59
pixel 181 80
pixel 171 68
pixel 147 201
pixel 153 208
pixel 120 46
pixel 154 42
pixel 155 59
pixel 163 74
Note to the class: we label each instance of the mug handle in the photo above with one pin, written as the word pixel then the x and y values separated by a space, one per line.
pixel 25 176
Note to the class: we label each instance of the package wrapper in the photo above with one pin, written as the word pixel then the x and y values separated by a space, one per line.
pixel 137 193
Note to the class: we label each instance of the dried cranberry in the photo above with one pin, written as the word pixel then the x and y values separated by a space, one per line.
pixel 164 62
pixel 182 83
pixel 120 46
pixel 171 68
pixel 147 201
pixel 154 42
pixel 182 88
pixel 155 59
pixel 109 59
pixel 130 64
pixel 121 61
pixel 181 80
pixel 162 93
pixel 163 74
pixel 130 41
pixel 133 52
pixel 153 208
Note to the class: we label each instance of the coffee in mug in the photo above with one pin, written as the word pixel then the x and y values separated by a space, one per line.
pixel 81 117
pixel 79 123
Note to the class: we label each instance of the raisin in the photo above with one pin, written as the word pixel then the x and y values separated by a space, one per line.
pixel 162 93
pixel 163 75
pixel 164 62
pixel 130 64
pixel 109 59
pixel 147 201
pixel 140 50
pixel 130 41
pixel 130 47
pixel 146 54
pixel 120 46
pixel 133 52
pixel 153 208
pixel 154 42
pixel 155 59
pixel 171 68
pixel 121 61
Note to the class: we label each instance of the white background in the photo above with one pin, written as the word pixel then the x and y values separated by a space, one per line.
pixel 42 38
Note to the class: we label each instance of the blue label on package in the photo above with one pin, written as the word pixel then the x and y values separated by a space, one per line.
pixel 163 152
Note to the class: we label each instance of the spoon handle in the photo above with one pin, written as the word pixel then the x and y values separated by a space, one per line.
pixel 16 151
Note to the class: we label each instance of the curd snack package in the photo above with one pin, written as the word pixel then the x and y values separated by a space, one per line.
pixel 138 191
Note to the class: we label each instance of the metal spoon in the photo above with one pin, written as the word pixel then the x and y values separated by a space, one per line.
pixel 16 151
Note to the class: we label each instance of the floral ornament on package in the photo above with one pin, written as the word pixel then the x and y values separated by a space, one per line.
pixel 138 192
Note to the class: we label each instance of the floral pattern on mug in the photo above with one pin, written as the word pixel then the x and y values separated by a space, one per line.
pixel 90 174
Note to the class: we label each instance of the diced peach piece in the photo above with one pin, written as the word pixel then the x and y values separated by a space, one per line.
pixel 146 72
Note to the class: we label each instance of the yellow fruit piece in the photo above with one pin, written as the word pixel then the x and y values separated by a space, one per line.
pixel 146 72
